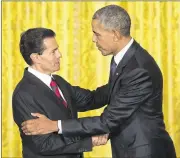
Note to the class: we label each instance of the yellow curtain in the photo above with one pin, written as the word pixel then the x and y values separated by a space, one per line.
pixel 155 25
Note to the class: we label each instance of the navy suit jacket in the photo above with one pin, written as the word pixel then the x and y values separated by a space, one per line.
pixel 133 116
pixel 32 95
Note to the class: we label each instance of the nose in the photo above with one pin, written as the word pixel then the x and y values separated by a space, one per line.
pixel 94 38
pixel 59 55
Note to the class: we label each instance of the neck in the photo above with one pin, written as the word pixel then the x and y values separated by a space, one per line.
pixel 122 43
pixel 35 67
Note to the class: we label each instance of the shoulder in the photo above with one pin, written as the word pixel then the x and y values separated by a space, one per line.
pixel 21 86
pixel 60 80
pixel 24 88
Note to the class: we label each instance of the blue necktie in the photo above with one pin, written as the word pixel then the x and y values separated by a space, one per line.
pixel 113 67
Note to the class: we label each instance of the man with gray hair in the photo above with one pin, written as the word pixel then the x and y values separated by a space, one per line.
pixel 133 116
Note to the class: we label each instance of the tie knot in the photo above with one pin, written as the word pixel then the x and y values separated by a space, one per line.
pixel 114 63
pixel 53 83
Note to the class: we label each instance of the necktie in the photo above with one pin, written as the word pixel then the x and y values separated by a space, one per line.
pixel 113 67
pixel 55 89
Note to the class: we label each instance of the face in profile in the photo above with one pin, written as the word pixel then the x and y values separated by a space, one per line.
pixel 49 61
pixel 103 38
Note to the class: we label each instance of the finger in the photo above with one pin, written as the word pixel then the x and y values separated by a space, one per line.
pixel 94 140
pixel 24 129
pixel 27 133
pixel 32 131
pixel 25 126
pixel 38 132
pixel 104 140
pixel 100 140
pixel 29 127
pixel 37 115
pixel 25 123
pixel 35 133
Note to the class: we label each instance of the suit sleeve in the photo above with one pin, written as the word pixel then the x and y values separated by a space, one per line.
pixel 49 144
pixel 89 100
pixel 84 99
pixel 135 89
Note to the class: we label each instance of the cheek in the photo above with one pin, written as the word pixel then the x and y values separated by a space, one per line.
pixel 48 62
pixel 105 41
pixel 106 45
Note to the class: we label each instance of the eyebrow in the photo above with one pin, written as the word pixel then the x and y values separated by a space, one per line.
pixel 55 48
pixel 96 33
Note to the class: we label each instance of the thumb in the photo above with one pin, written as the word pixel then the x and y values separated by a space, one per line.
pixel 37 115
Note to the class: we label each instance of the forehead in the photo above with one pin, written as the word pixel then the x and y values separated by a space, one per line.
pixel 50 42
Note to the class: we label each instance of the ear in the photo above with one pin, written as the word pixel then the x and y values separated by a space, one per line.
pixel 35 58
pixel 117 35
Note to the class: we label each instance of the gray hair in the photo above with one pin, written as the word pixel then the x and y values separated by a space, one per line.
pixel 115 18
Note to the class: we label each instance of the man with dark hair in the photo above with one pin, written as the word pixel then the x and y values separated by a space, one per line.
pixel 40 91
pixel 133 116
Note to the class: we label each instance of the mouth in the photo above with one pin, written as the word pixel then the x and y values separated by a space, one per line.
pixel 98 47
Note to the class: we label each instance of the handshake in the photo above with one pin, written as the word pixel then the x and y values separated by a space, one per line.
pixel 100 140
pixel 43 125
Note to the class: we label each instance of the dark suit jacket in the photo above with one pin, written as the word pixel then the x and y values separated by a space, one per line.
pixel 134 115
pixel 32 95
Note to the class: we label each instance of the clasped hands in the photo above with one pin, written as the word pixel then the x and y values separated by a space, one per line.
pixel 43 125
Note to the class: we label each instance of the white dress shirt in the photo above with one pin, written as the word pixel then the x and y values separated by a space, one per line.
pixel 47 80
pixel 117 58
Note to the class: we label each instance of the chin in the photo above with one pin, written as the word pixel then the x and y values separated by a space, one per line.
pixel 57 69
pixel 105 53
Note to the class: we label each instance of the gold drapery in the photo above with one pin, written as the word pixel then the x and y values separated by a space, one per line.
pixel 155 25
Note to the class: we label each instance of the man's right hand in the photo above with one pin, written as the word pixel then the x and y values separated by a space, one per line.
pixel 40 125
pixel 100 140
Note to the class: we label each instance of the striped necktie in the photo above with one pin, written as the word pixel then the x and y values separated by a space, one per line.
pixel 55 89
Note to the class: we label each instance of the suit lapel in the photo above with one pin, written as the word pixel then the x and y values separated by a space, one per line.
pixel 42 87
pixel 130 52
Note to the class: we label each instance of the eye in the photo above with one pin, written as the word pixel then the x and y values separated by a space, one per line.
pixel 98 35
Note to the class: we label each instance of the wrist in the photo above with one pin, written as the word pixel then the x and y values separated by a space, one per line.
pixel 55 126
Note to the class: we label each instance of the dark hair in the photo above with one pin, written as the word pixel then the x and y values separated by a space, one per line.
pixel 32 42
pixel 114 17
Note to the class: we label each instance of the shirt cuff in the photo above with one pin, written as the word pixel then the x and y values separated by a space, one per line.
pixel 59 127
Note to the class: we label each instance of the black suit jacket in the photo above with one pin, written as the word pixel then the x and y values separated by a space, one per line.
pixel 32 95
pixel 134 115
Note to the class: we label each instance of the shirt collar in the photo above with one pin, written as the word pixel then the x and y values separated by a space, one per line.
pixel 118 57
pixel 43 77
